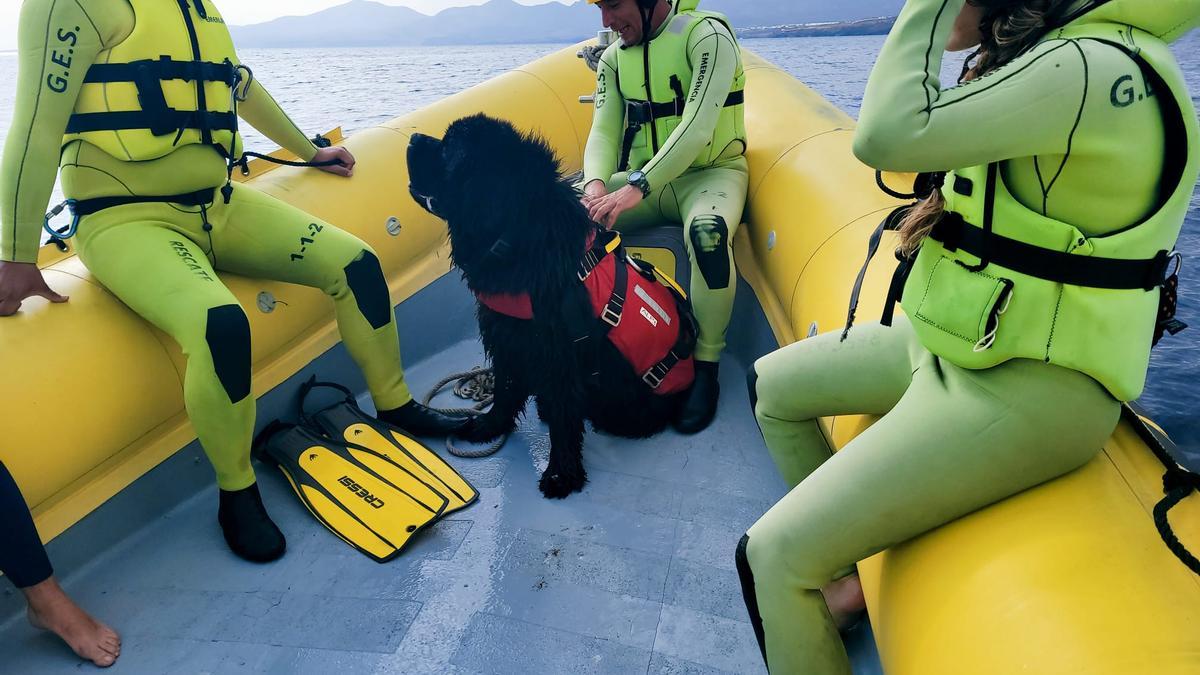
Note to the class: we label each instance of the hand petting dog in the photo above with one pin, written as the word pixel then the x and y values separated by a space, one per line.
pixel 607 209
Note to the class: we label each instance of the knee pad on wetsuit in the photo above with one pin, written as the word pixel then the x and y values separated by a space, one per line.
pixel 709 234
pixel 752 386
pixel 749 595
pixel 228 336
pixel 365 278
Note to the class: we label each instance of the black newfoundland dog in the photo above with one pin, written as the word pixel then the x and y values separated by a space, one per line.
pixel 565 316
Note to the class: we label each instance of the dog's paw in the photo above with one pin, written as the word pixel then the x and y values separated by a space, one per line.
pixel 561 486
pixel 485 429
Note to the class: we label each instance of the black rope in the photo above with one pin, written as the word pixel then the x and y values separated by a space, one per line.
pixel 1178 484
pixel 1163 509
pixel 924 185
pixel 283 162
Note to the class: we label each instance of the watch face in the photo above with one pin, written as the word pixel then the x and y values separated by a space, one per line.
pixel 636 176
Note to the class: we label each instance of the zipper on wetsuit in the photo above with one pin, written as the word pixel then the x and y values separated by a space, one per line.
pixel 650 97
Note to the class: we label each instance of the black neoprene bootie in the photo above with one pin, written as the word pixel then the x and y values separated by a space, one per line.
pixel 249 531
pixel 701 406
pixel 422 421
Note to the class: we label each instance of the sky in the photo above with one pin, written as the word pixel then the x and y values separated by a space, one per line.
pixel 240 12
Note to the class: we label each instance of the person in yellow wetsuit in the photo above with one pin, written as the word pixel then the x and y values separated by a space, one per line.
pixel 138 102
pixel 1040 275
pixel 668 144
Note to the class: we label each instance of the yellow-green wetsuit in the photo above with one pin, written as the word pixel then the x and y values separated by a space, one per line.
pixel 693 163
pixel 1073 146
pixel 162 259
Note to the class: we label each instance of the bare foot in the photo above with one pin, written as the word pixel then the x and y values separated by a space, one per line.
pixel 846 601
pixel 50 609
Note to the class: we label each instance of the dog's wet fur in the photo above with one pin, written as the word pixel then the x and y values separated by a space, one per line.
pixel 491 184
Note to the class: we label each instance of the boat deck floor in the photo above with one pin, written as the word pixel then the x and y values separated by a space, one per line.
pixel 634 575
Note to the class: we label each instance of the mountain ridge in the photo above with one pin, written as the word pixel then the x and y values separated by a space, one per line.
pixel 365 23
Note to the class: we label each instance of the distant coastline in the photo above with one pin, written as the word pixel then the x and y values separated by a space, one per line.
pixel 368 23
pixel 877 26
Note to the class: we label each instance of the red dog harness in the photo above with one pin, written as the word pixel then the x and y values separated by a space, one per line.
pixel 640 314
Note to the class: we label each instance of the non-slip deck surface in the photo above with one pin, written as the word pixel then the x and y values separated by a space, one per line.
pixel 635 575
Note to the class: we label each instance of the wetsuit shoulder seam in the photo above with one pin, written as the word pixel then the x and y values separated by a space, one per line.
pixel 89 18
pixel 37 103
pixel 1078 120
pixel 929 55
pixel 1002 79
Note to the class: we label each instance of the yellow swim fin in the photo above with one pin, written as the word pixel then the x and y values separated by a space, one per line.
pixel 345 421
pixel 368 501
pixel 348 422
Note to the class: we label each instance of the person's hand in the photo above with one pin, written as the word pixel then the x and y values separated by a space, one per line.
pixel 593 191
pixel 607 209
pixel 345 165
pixel 19 282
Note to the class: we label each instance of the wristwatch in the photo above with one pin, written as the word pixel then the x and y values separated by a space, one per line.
pixel 638 180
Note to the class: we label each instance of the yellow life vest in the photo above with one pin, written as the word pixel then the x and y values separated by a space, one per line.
pixel 997 281
pixel 652 81
pixel 169 84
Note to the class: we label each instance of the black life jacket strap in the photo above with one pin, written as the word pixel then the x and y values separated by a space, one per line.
pixel 596 254
pixel 163 68
pixel 639 113
pixel 891 222
pixel 684 348
pixel 1064 268
pixel 148 75
pixel 611 315
pixel 161 123
pixel 87 207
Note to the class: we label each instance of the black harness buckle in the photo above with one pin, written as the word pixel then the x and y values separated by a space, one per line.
pixel 1163 270
pixel 638 113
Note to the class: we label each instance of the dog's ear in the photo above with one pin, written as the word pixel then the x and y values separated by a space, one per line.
pixel 543 156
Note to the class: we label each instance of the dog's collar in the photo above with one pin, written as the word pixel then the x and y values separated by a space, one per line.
pixel 428 203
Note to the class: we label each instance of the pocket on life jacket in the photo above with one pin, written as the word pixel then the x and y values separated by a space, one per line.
pixel 964 303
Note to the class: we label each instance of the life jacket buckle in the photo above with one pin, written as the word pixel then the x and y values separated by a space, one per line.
pixel 1174 270
pixel 655 376
pixel 639 113
pixel 1167 264
pixel 613 311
